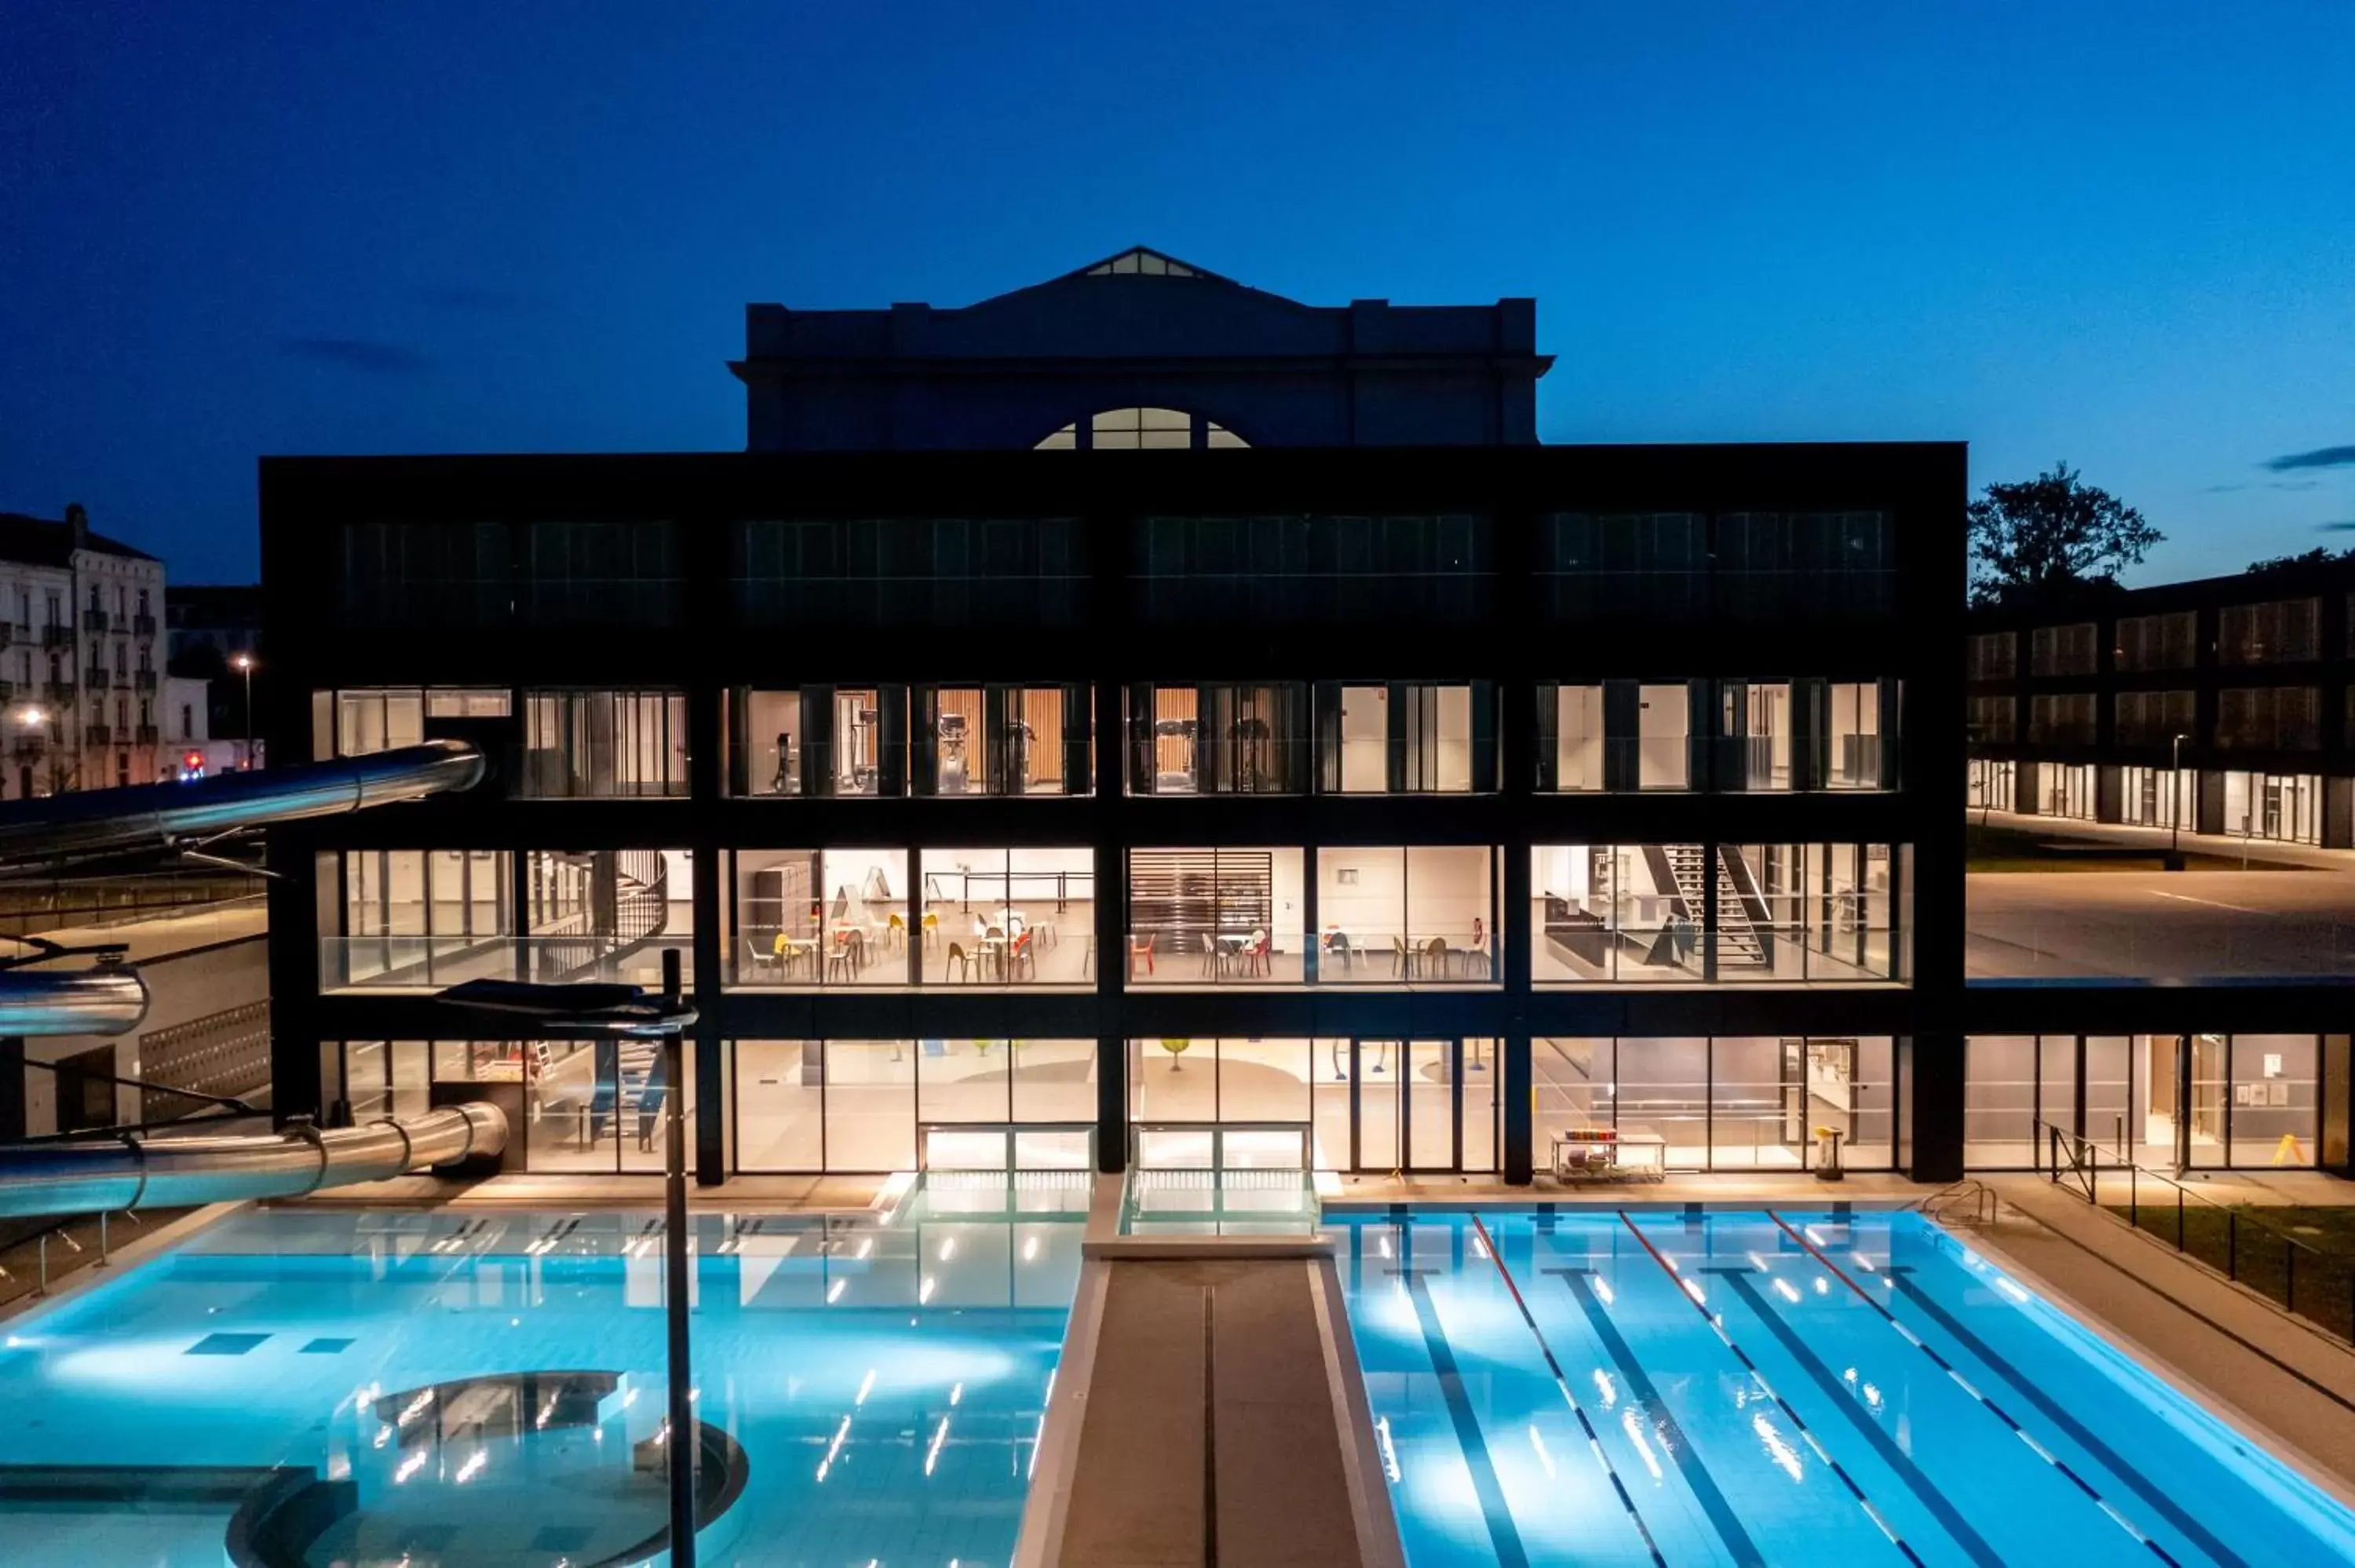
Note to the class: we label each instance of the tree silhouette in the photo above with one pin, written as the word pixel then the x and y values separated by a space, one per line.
pixel 2051 537
pixel 2321 556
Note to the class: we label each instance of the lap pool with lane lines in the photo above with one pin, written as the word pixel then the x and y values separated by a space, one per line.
pixel 386 1389
pixel 1600 1388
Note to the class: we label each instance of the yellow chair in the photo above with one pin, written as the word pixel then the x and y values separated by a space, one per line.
pixel 895 930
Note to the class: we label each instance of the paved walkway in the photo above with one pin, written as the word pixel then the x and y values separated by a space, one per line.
pixel 153 936
pixel 2304 1188
pixel 2157 925
pixel 2271 1374
pixel 2262 851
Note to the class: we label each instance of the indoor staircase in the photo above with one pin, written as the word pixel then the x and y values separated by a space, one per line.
pixel 1743 922
pixel 597 944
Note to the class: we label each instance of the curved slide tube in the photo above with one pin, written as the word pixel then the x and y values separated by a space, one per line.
pixel 90 824
pixel 104 1002
pixel 84 1176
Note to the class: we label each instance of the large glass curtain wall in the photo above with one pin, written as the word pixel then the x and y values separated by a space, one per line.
pixel 1857 753
pixel 2164 1101
pixel 608 914
pixel 1716 914
pixel 1991 784
pixel 598 744
pixel 844 740
pixel 1248 739
pixel 588 1105
pixel 1000 740
pixel 1395 738
pixel 1324 1104
pixel 423 920
pixel 822 918
pixel 1007 916
pixel 1217 915
pixel 1725 736
pixel 1662 737
pixel 1391 916
pixel 2282 806
pixel 1425 914
pixel 1407 739
pixel 1754 736
pixel 1722 1103
pixel 890 740
pixel 355 722
pixel 2065 791
pixel 418 918
pixel 2160 797
pixel 903 1104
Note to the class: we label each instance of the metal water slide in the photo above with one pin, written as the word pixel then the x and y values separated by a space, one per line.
pixel 178 1164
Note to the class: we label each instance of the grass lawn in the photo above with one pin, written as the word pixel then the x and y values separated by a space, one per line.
pixel 1992 849
pixel 2324 1287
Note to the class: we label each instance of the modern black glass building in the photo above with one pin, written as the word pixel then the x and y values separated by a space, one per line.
pixel 1360 805
pixel 2223 706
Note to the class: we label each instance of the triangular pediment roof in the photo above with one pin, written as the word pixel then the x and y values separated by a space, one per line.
pixel 1138 261
pixel 1144 261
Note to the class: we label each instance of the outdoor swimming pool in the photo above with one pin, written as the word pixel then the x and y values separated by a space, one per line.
pixel 365 1388
pixel 1743 1388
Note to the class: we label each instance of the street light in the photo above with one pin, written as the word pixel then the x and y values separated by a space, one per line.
pixel 2175 817
pixel 31 717
pixel 623 1012
pixel 243 663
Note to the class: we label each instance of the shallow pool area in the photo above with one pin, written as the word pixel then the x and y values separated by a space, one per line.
pixel 348 1387
pixel 1687 1387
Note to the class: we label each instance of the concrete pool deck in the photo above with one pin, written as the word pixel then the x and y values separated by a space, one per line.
pixel 2271 1375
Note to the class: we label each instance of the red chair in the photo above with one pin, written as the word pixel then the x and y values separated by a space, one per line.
pixel 1020 954
pixel 1136 950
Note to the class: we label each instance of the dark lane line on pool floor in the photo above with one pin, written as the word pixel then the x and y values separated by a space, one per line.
pixel 1663 1422
pixel 1495 1255
pixel 1502 1534
pixel 2165 1506
pixel 1941 1506
pixel 1806 1433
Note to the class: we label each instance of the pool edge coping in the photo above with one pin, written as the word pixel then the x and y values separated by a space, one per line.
pixel 133 1255
pixel 2169 1371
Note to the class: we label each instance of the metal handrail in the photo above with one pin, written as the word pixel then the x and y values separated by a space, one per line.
pixel 2079 1159
pixel 1978 1193
pixel 59 1229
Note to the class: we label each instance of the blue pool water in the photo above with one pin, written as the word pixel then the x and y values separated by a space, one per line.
pixel 1729 1389
pixel 882 1385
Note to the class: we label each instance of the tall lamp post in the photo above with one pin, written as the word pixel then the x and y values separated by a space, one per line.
pixel 608 1011
pixel 243 662
pixel 2175 817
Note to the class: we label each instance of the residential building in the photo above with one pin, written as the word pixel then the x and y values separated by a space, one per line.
pixel 80 657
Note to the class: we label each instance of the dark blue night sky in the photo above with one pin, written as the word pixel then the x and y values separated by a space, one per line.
pixel 2123 235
